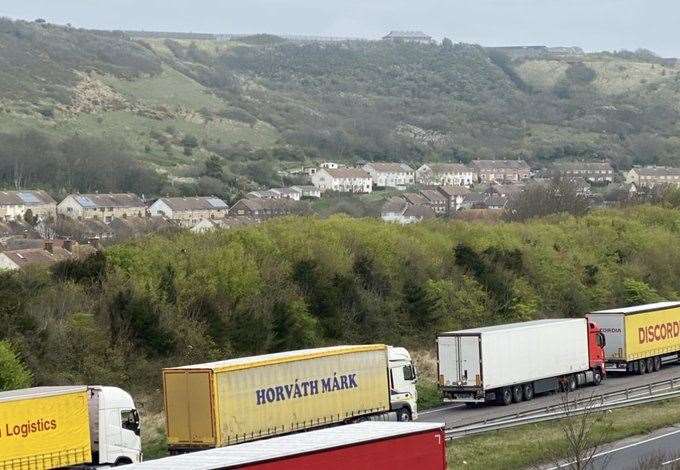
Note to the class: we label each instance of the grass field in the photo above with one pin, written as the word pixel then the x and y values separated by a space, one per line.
pixel 524 446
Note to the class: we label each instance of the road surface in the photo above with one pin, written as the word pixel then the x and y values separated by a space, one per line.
pixel 657 450
pixel 458 414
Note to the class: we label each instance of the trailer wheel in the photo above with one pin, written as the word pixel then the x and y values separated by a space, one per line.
pixel 657 363
pixel 517 394
pixel 642 367
pixel 505 397
pixel 571 383
pixel 528 392
pixel 404 414
pixel 650 365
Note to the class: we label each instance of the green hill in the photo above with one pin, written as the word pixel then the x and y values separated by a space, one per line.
pixel 262 102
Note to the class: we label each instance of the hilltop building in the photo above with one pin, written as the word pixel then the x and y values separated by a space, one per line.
pixel 408 36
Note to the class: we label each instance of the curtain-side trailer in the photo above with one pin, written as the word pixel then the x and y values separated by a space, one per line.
pixel 237 400
pixel 371 445
pixel 639 337
pixel 69 426
pixel 513 362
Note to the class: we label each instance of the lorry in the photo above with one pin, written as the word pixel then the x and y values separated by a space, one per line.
pixel 362 446
pixel 69 426
pixel 639 337
pixel 237 400
pixel 513 362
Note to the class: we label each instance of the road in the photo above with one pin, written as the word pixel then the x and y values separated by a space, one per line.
pixel 458 414
pixel 657 450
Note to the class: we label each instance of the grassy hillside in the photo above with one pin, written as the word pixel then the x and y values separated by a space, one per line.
pixel 263 102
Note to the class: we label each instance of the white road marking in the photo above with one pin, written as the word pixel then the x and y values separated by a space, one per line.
pixel 669 461
pixel 621 448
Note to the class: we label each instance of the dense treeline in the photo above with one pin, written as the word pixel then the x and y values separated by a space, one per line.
pixel 119 316
pixel 84 164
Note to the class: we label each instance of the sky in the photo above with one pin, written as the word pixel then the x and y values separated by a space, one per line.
pixel 591 24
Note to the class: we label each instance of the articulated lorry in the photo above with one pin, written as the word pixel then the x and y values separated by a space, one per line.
pixel 59 427
pixel 639 337
pixel 238 400
pixel 360 446
pixel 514 362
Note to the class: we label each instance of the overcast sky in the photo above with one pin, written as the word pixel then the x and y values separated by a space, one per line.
pixel 591 24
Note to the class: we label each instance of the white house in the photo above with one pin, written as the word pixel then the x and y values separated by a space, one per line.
pixel 440 174
pixel 408 36
pixel 390 175
pixel 345 180
pixel 308 191
pixel 290 193
pixel 393 209
pixel 329 166
pixel 105 207
pixel 188 211
pixel 14 205
pixel 455 196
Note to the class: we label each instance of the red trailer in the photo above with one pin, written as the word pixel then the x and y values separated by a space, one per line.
pixel 371 445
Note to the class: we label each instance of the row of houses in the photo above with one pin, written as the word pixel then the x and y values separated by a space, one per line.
pixel 184 211
pixel 331 177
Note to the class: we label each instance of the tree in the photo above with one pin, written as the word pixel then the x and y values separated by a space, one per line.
pixel 29 218
pixel 13 373
pixel 213 167
pixel 447 44
pixel 559 196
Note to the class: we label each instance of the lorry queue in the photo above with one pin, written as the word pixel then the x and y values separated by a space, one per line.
pixel 232 404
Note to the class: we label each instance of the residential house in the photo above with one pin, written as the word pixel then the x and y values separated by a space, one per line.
pixel 346 180
pixel 445 174
pixel 265 208
pixel 414 214
pixel 264 194
pixel 581 186
pixel 415 199
pixel 501 170
pixel 595 172
pixel 393 209
pixel 44 256
pixel 208 225
pixel 454 196
pixel 390 175
pixel 15 205
pixel 495 201
pixel 329 166
pixel 436 200
pixel 474 201
pixel 290 193
pixel 188 211
pixel 650 176
pixel 308 191
pixel 104 207
pixel 417 37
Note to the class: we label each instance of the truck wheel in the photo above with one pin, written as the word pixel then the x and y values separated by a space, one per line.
pixel 597 377
pixel 642 367
pixel 505 397
pixel 528 392
pixel 657 363
pixel 404 414
pixel 517 394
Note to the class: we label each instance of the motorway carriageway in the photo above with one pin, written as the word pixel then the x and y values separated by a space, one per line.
pixel 457 414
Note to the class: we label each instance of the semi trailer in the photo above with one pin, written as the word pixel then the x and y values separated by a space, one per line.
pixel 228 402
pixel 513 362
pixel 361 446
pixel 74 427
pixel 639 337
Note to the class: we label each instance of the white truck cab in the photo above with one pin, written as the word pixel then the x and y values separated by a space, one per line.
pixel 114 426
pixel 403 379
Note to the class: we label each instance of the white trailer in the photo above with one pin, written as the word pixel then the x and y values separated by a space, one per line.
pixel 514 362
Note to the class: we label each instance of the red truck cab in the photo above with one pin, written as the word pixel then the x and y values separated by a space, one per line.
pixel 596 343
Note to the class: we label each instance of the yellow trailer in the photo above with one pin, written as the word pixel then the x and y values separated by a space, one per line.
pixel 237 400
pixel 638 337
pixel 44 427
